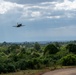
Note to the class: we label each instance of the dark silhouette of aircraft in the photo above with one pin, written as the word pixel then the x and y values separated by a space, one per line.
pixel 19 25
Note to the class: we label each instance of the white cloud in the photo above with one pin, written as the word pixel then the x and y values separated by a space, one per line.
pixel 46 3
pixel 50 10
pixel 70 15
pixel 8 6
pixel 66 5
pixel 53 17
pixel 42 10
pixel 36 14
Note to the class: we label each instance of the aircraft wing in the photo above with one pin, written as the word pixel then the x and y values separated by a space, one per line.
pixel 14 26
pixel 23 25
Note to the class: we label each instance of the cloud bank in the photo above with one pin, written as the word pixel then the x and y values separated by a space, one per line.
pixel 49 10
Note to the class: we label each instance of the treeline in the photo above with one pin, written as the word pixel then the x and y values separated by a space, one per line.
pixel 17 57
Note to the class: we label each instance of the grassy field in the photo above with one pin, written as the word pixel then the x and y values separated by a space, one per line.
pixel 28 72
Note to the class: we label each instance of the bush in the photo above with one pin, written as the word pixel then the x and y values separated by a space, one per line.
pixel 50 49
pixel 68 60
pixel 10 67
pixel 21 64
pixel 71 48
pixel 1 67
pixel 37 46
pixel 7 67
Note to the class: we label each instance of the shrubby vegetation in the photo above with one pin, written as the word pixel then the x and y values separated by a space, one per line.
pixel 69 60
pixel 23 56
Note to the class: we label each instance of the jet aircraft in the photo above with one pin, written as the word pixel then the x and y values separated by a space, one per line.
pixel 19 25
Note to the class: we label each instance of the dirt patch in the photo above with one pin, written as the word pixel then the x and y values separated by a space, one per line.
pixel 73 74
pixel 71 71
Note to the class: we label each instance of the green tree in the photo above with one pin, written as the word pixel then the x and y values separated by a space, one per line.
pixel 1 67
pixel 62 52
pixel 57 44
pixel 50 49
pixel 12 48
pixel 22 64
pixel 68 60
pixel 10 67
pixel 37 46
pixel 71 48
pixel 35 54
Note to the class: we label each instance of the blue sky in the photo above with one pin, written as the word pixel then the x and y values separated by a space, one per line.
pixel 45 20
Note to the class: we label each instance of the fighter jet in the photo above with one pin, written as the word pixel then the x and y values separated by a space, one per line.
pixel 19 25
